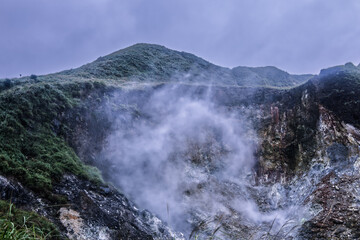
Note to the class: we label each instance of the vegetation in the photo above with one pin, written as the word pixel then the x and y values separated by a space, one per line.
pixel 154 63
pixel 33 77
pixel 6 84
pixel 19 224
pixel 340 93
pixel 267 76
pixel 32 133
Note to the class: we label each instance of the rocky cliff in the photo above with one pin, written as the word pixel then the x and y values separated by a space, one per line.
pixel 243 153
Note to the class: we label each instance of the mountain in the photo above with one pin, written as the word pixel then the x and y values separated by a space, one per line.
pixel 146 62
pixel 211 152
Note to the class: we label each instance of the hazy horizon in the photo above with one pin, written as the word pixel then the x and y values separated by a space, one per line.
pixel 42 37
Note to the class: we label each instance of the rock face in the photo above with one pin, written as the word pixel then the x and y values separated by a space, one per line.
pixel 87 211
pixel 307 150
pixel 317 140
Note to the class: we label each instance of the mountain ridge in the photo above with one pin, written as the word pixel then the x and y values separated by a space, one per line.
pixel 164 64
pixel 152 63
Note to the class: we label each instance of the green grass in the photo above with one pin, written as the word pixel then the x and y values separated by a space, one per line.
pixel 33 148
pixel 19 224
pixel 154 63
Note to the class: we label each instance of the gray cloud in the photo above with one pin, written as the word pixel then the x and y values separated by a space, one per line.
pixel 42 36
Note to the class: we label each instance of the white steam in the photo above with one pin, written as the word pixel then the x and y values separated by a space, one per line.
pixel 184 156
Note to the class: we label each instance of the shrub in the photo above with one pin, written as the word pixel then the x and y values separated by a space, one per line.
pixel 19 224
pixel 7 83
pixel 33 77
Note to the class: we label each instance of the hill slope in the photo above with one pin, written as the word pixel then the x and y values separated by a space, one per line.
pixel 307 137
pixel 147 62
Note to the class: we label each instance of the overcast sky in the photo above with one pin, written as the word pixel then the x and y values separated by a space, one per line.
pixel 43 36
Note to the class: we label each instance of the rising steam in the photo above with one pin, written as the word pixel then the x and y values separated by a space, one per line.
pixel 184 158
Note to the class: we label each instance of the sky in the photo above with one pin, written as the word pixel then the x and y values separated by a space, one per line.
pixel 43 36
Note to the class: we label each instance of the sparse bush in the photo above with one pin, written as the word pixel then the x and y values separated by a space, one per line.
pixel 33 77
pixel 8 83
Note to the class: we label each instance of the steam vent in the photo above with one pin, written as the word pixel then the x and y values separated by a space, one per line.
pixel 153 143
